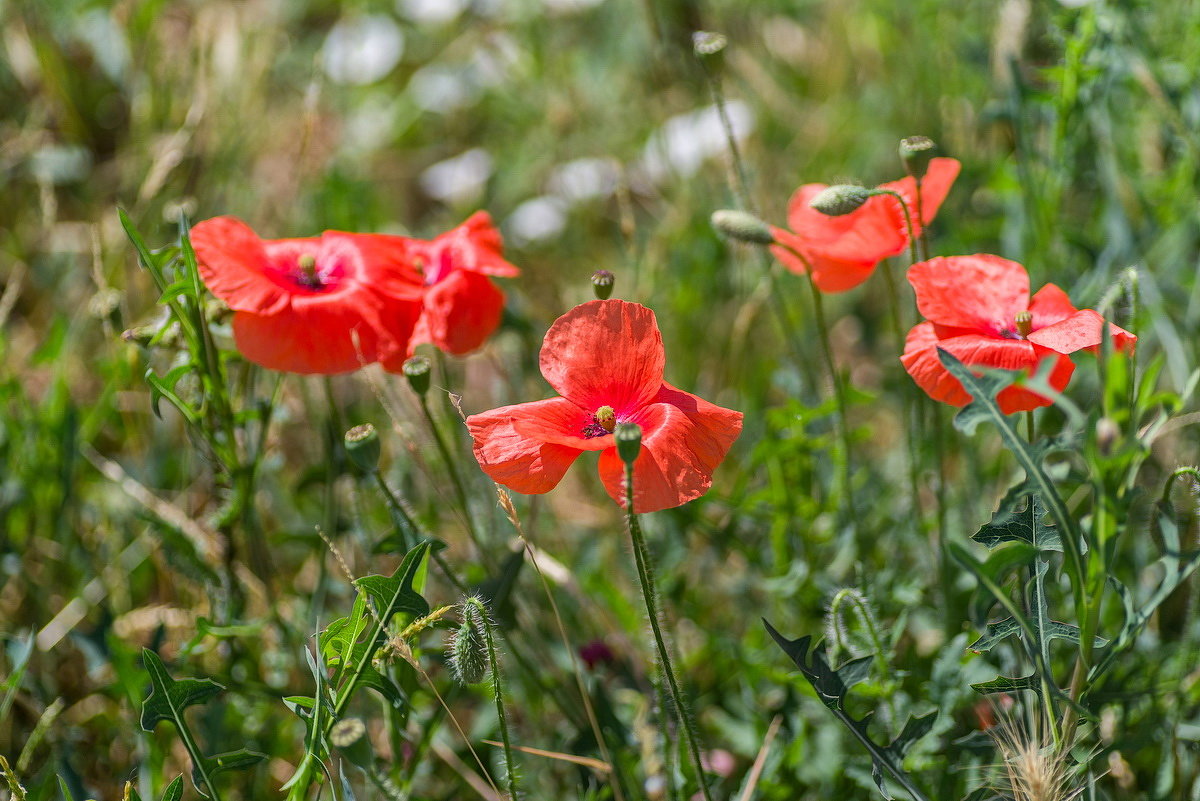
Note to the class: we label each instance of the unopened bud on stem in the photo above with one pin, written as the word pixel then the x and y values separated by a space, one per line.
pixel 840 199
pixel 742 226
pixel 468 653
pixel 916 152
pixel 362 445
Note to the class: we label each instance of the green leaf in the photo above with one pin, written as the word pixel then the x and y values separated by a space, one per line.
pixel 168 697
pixel 982 408
pixel 392 594
pixel 994 634
pixel 66 791
pixel 233 760
pixel 174 791
pixel 831 687
pixel 1004 684
pixel 1020 518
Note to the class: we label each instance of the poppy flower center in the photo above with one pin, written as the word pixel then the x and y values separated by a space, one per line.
pixel 306 272
pixel 604 420
pixel 1022 326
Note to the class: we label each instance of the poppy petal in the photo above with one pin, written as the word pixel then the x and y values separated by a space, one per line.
pixel 829 275
pixel 519 462
pixel 921 361
pixel 939 177
pixel 874 231
pixel 714 428
pixel 460 312
pixel 605 353
pixel 1083 330
pixel 1050 305
pixel 667 472
pixel 980 292
pixel 475 245
pixel 234 265
pixel 561 422
pixel 311 339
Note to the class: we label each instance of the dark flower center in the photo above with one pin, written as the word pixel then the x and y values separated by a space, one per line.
pixel 306 275
pixel 604 420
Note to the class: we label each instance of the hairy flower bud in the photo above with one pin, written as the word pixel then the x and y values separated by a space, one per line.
pixel 602 284
pixel 742 226
pixel 840 199
pixel 629 441
pixel 916 152
pixel 362 445
pixel 348 735
pixel 468 651
pixel 417 370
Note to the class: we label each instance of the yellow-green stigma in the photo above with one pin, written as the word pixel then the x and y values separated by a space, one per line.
pixel 604 420
pixel 308 270
pixel 1024 321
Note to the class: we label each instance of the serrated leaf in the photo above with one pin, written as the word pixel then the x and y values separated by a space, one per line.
pixel 392 594
pixel 994 634
pixel 1020 518
pixel 1004 684
pixel 983 407
pixel 168 697
pixel 174 791
pixel 914 729
pixel 831 688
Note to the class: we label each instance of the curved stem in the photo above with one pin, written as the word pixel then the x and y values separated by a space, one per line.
pixel 641 554
pixel 455 478
pixel 498 694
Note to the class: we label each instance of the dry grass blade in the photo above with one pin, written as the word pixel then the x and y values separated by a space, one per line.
pixel 598 765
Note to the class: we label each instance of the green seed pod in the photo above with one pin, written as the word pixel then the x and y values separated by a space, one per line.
pixel 468 651
pixel 629 441
pixel 916 152
pixel 742 226
pixel 417 370
pixel 363 448
pixel 835 201
pixel 348 735
pixel 602 284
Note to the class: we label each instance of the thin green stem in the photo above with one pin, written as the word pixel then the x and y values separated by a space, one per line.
pixel 400 509
pixel 455 478
pixel 839 397
pixel 641 554
pixel 914 481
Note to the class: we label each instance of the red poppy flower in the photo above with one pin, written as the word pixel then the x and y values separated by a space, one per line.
pixel 324 305
pixel 843 251
pixel 606 360
pixel 978 308
pixel 462 306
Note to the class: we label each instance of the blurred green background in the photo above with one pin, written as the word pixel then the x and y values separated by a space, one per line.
pixel 587 129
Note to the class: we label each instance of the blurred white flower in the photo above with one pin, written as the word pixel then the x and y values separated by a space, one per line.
pixel 362 50
pixel 431 11
pixel 685 141
pixel 443 89
pixel 371 123
pixel 584 179
pixel 460 179
pixel 536 219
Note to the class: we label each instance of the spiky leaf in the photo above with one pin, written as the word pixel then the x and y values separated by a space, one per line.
pixel 168 697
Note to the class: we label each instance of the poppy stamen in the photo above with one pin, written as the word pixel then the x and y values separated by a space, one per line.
pixel 1024 321
pixel 308 272
pixel 604 420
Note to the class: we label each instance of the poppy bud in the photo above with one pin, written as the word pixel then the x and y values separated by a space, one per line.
pixel 416 370
pixel 602 284
pixel 742 226
pixel 835 201
pixel 629 441
pixel 468 652
pixel 916 152
pixel 362 445
pixel 1107 433
pixel 708 43
pixel 349 736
